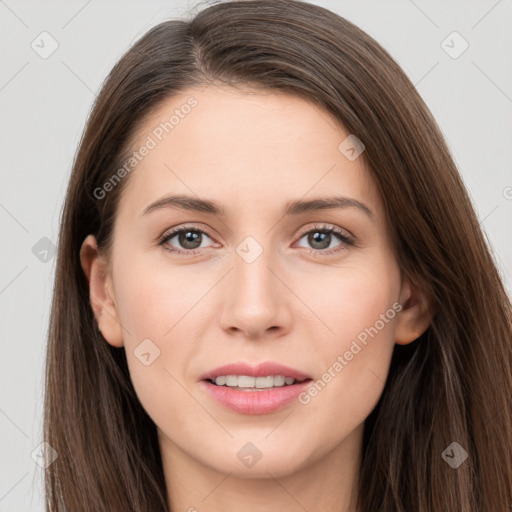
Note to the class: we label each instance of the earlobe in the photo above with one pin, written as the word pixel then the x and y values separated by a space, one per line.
pixel 101 294
pixel 415 316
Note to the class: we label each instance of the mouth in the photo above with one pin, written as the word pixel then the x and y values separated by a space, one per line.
pixel 264 373
pixel 260 389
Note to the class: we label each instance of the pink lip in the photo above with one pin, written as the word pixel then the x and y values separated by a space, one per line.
pixel 254 402
pixel 259 370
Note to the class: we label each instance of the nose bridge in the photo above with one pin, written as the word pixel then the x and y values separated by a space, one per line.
pixel 252 261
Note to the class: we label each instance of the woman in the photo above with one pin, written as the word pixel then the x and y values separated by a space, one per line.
pixel 272 290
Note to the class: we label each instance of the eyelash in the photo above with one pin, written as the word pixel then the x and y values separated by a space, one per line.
pixel 346 240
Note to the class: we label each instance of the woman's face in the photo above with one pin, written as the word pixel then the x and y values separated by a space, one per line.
pixel 260 281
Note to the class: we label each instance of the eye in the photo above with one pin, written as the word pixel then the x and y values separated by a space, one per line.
pixel 321 237
pixel 188 238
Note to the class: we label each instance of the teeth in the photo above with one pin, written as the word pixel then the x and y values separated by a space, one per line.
pixel 231 380
pixel 245 381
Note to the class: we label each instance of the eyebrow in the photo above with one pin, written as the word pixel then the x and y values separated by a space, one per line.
pixel 295 207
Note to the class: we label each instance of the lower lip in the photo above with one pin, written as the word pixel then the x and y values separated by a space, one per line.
pixel 254 402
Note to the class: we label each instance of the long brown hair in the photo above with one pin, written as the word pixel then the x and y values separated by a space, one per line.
pixel 452 384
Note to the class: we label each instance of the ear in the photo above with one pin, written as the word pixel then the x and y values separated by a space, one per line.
pixel 415 316
pixel 101 294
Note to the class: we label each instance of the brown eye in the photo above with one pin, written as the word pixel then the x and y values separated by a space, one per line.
pixel 185 239
pixel 320 238
pixel 189 239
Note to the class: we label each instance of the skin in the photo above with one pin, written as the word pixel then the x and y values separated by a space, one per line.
pixel 252 151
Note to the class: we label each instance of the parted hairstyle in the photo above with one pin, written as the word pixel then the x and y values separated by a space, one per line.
pixel 452 384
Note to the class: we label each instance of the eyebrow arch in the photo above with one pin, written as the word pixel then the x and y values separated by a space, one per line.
pixel 295 207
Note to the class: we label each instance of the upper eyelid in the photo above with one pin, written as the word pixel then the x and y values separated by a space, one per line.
pixel 173 231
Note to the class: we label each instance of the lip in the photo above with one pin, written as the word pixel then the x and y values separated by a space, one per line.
pixel 259 370
pixel 254 402
pixel 264 401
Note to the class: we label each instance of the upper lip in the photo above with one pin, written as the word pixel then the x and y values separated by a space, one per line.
pixel 255 370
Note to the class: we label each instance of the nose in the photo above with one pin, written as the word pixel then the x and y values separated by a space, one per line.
pixel 257 299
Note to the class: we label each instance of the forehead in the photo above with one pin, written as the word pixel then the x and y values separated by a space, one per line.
pixel 253 145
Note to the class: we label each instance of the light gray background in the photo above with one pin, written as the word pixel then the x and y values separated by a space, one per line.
pixel 44 104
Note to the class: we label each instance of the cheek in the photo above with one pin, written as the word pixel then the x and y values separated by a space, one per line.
pixel 162 308
pixel 153 300
pixel 152 306
pixel 354 300
pixel 355 360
